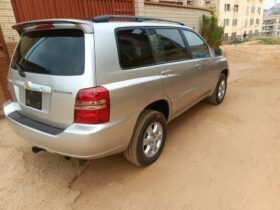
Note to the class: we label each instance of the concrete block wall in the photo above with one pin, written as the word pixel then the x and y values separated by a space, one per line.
pixel 189 15
pixel 7 20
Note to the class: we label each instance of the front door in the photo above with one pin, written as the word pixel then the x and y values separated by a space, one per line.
pixel 204 63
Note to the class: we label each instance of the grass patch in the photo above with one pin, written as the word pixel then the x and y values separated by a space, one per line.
pixel 268 40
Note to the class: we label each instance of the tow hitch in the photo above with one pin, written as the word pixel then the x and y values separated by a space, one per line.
pixel 35 150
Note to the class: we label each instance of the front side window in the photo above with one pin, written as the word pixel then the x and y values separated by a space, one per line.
pixel 134 48
pixel 173 44
pixel 198 47
pixel 53 52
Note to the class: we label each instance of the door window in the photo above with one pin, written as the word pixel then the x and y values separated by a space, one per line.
pixel 198 47
pixel 173 44
pixel 134 48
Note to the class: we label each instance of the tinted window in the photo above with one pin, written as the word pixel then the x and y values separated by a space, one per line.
pixel 55 52
pixel 156 45
pixel 198 48
pixel 173 44
pixel 134 48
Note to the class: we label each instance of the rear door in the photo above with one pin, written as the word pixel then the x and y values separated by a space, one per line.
pixel 48 68
pixel 206 69
pixel 177 69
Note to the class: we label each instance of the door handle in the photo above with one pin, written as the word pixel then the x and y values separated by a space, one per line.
pixel 166 72
pixel 198 66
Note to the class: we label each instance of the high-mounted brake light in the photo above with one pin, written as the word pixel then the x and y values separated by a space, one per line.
pixel 92 106
pixel 44 26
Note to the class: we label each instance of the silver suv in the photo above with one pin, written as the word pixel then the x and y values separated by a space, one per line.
pixel 93 88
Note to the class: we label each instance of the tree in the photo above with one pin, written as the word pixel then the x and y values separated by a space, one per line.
pixel 211 31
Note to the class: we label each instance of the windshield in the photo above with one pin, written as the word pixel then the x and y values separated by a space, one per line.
pixel 55 52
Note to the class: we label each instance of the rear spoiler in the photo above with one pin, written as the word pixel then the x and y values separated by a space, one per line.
pixel 84 25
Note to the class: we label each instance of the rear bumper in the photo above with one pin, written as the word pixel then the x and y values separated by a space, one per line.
pixel 78 140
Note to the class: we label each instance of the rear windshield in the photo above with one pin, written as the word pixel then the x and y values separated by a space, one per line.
pixel 54 52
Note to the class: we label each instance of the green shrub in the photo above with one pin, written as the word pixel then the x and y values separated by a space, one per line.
pixel 211 31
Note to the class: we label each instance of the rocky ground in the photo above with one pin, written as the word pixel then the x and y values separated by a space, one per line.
pixel 215 157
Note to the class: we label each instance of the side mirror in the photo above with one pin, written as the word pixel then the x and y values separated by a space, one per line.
pixel 218 51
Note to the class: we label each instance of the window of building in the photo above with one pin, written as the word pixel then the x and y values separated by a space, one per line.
pixel 253 9
pixel 257 21
pixel 252 21
pixel 246 22
pixel 198 47
pixel 259 10
pixel 235 8
pixel 226 22
pixel 173 44
pixel 134 48
pixel 234 22
pixel 227 7
pixel 226 36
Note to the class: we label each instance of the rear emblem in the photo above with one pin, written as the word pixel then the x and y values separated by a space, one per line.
pixel 26 85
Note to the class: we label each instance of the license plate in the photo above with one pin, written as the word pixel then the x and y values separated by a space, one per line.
pixel 33 99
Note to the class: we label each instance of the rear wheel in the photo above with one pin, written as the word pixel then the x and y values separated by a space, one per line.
pixel 148 138
pixel 220 91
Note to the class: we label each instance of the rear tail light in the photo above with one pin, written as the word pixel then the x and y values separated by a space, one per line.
pixel 92 106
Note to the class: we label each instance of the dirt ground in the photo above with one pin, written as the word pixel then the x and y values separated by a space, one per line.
pixel 223 157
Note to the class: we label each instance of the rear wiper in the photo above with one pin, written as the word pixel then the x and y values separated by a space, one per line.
pixel 20 70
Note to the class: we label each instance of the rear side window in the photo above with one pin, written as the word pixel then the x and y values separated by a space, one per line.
pixel 173 44
pixel 198 47
pixel 54 52
pixel 134 48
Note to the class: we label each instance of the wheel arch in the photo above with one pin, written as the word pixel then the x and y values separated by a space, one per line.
pixel 226 72
pixel 162 106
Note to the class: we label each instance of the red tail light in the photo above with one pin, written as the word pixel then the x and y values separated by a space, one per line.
pixel 92 106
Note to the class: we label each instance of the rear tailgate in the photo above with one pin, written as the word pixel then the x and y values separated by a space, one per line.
pixel 52 62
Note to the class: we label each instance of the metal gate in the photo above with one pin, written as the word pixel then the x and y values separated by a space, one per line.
pixel 25 10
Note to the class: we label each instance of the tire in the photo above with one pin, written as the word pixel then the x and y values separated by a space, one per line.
pixel 216 98
pixel 138 152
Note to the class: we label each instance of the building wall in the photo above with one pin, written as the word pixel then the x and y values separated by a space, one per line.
pixel 190 15
pixel 244 15
pixel 7 20
pixel 271 25
pixel 8 39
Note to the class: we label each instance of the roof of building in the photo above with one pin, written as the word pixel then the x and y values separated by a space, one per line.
pixel 275 10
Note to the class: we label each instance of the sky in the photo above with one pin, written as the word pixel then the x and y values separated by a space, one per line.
pixel 269 3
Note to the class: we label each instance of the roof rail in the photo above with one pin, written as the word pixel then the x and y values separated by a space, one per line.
pixel 107 18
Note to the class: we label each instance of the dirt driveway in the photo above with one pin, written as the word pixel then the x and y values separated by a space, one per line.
pixel 216 157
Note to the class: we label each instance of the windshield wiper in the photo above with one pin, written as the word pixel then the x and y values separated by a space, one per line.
pixel 20 70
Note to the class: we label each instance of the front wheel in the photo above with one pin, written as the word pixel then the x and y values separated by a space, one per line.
pixel 148 138
pixel 220 91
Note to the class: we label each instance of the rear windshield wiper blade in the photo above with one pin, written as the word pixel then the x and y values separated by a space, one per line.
pixel 20 70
